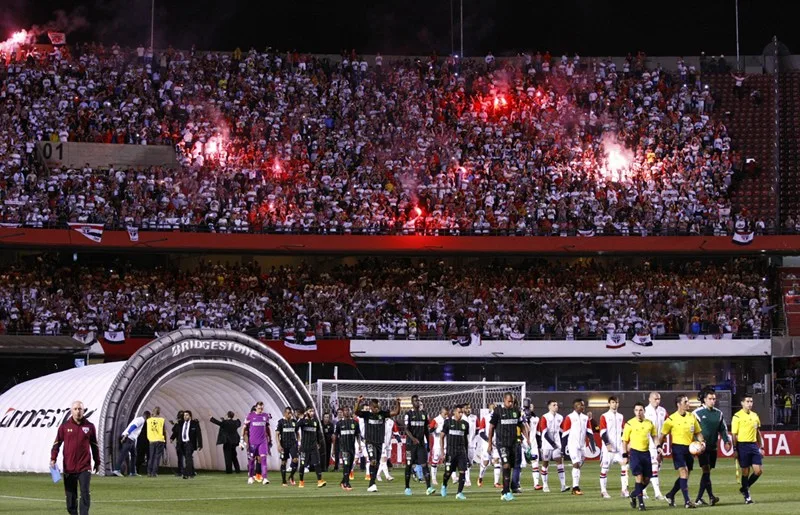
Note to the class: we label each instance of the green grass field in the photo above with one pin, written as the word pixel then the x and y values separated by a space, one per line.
pixel 775 493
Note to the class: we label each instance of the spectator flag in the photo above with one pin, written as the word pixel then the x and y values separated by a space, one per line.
pixel 464 341
pixel 303 342
pixel 114 336
pixel 10 225
pixel 743 237
pixel 642 339
pixel 615 341
pixel 133 233
pixel 84 336
pixel 587 234
pixel 57 38
pixel 92 231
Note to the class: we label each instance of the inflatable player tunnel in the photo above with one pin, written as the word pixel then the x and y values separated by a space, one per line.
pixel 207 371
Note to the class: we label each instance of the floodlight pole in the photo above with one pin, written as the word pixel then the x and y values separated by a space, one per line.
pixel 736 9
pixel 152 25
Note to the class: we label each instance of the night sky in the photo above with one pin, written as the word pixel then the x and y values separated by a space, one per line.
pixel 601 27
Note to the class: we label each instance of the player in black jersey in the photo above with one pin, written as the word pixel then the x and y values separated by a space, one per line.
pixel 417 431
pixel 374 433
pixel 505 425
pixel 312 445
pixel 287 444
pixel 456 429
pixel 346 432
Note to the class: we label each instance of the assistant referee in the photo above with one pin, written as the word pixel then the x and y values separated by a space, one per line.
pixel 748 444
pixel 637 436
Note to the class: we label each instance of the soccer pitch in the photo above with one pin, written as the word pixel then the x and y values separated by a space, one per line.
pixel 775 493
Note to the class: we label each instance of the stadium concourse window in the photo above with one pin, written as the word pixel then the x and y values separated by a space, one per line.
pixel 388 298
pixel 305 144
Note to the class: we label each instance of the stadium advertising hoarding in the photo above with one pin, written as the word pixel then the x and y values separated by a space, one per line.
pixel 557 348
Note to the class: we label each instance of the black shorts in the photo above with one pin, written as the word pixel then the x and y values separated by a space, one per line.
pixel 289 453
pixel 416 455
pixel 347 456
pixel 640 463
pixel 456 462
pixel 309 458
pixel 681 457
pixel 708 458
pixel 508 455
pixel 374 451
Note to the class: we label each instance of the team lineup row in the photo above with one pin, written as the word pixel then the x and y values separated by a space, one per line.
pixel 512 437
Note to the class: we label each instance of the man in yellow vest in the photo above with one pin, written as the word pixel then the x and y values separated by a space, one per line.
pixel 787 408
pixel 748 444
pixel 157 436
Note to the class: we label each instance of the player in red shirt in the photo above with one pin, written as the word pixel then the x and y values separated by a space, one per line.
pixel 79 436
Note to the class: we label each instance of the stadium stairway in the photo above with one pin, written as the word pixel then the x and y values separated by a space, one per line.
pixel 751 127
pixel 790 144
pixel 791 305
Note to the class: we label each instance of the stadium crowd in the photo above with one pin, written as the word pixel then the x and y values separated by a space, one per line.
pixel 393 299
pixel 292 143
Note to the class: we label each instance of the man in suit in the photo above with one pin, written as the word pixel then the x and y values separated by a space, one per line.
pixel 175 436
pixel 190 440
pixel 228 437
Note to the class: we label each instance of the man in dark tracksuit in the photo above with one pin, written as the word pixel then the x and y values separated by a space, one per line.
pixel 228 438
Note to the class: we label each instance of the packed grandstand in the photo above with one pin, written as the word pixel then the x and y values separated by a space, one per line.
pixel 287 143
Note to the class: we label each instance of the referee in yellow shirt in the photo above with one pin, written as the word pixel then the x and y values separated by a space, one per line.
pixel 636 438
pixel 683 428
pixel 748 444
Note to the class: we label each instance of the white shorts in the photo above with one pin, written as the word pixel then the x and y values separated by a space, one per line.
pixel 551 454
pixel 576 454
pixel 386 450
pixel 437 450
pixel 610 458
pixel 480 451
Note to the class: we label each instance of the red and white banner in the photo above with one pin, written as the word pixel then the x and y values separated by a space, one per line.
pixel 92 231
pixel 57 38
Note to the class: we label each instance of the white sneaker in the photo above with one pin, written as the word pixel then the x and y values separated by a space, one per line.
pixel 467 483
pixel 373 488
pixel 380 478
pixel 265 481
pixel 546 489
pixel 605 495
pixel 389 478
pixel 250 480
pixel 660 497
pixel 625 493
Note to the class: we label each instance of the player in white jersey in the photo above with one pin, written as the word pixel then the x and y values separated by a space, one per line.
pixel 550 429
pixel 531 446
pixel 472 420
pixel 386 450
pixel 611 426
pixel 656 414
pixel 437 424
pixel 485 456
pixel 576 430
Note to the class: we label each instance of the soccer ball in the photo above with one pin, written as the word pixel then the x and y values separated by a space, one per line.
pixel 696 448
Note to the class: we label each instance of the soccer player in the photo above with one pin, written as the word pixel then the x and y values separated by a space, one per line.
pixel 472 420
pixel 748 445
pixel 258 442
pixel 416 424
pixel 656 414
pixel 637 438
pixel 713 426
pixel 346 433
pixel 287 444
pixel 312 446
pixel 437 424
pixel 532 453
pixel 684 429
pixel 550 429
pixel 375 428
pixel 576 430
pixel 506 425
pixel 456 430
pixel 612 424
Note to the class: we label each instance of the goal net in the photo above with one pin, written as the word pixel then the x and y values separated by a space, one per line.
pixel 332 394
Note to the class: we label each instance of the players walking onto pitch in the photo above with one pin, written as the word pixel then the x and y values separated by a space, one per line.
pixel 611 424
pixel 312 446
pixel 748 445
pixel 637 439
pixel 576 431
pixel 656 414
pixel 682 426
pixel 375 432
pixel 287 444
pixel 416 429
pixel 713 426
pixel 506 424
pixel 550 429
pixel 346 434
pixel 456 430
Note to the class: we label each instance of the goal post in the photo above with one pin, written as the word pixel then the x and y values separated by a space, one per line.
pixel 331 394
